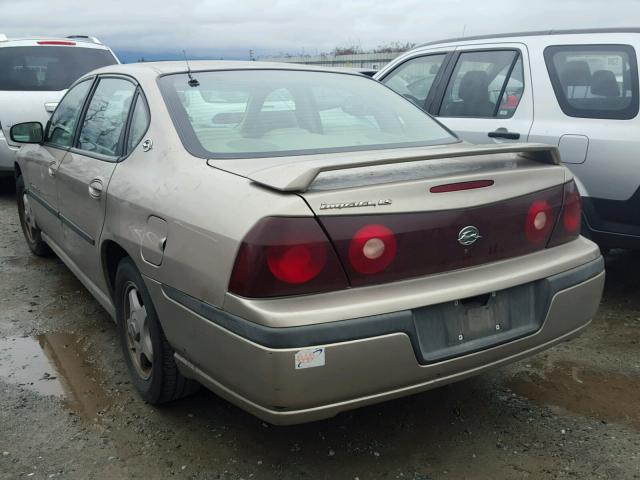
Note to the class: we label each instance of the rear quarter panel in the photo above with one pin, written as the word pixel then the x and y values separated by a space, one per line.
pixel 207 211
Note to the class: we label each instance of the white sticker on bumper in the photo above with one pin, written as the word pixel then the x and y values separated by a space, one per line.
pixel 309 358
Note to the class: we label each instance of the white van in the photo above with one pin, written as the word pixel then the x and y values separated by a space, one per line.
pixel 34 76
pixel 576 89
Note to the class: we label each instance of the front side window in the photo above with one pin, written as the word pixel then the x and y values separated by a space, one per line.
pixel 594 81
pixel 414 78
pixel 106 116
pixel 484 84
pixel 64 119
pixel 47 67
pixel 260 113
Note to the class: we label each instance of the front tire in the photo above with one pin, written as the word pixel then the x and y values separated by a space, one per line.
pixel 147 352
pixel 30 229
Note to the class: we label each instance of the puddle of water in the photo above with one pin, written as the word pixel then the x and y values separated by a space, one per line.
pixel 23 362
pixel 54 364
pixel 596 394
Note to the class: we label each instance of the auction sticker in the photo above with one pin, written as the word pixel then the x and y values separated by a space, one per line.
pixel 309 358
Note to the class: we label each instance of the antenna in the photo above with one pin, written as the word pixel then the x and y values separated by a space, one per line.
pixel 192 81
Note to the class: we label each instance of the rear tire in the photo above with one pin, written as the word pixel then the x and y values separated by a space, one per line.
pixel 147 352
pixel 30 229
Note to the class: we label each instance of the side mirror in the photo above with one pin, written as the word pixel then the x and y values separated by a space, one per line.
pixel 28 132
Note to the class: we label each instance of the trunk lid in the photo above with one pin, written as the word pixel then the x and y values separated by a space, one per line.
pixel 391 217
pixel 389 224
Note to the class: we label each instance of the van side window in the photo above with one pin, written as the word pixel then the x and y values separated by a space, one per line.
pixel 484 84
pixel 594 81
pixel 413 79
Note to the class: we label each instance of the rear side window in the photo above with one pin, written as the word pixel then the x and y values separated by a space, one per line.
pixel 594 81
pixel 139 123
pixel 484 84
pixel 106 117
pixel 414 78
pixel 48 68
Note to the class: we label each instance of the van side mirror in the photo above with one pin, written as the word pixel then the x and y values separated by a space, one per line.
pixel 28 132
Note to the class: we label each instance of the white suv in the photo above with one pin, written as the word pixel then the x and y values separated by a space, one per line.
pixel 35 74
pixel 576 89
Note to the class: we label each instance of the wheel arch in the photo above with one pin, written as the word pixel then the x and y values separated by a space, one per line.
pixel 112 253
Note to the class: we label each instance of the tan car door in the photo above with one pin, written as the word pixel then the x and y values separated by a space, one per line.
pixel 44 161
pixel 83 176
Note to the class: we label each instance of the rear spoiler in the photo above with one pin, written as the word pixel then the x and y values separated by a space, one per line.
pixel 295 174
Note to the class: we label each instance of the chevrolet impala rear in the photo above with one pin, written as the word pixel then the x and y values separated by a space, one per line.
pixel 377 255
pixel 305 241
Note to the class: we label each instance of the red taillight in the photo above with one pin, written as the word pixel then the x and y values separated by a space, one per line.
pixel 296 263
pixel 569 227
pixel 571 212
pixel 55 42
pixel 372 249
pixel 539 221
pixel 286 256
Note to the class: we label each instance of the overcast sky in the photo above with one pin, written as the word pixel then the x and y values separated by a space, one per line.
pixel 232 27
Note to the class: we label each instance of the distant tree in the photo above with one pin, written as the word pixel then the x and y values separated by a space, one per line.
pixel 354 48
pixel 349 48
pixel 392 47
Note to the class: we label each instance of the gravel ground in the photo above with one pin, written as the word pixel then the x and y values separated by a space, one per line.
pixel 68 411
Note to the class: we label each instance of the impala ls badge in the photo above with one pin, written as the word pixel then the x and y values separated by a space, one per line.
pixel 366 203
pixel 468 235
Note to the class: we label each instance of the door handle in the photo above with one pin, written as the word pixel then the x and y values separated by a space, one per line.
pixel 51 170
pixel 95 188
pixel 504 133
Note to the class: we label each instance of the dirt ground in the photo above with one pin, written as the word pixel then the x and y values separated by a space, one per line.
pixel 68 411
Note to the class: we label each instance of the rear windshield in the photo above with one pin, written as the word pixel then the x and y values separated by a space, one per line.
pixel 259 113
pixel 49 68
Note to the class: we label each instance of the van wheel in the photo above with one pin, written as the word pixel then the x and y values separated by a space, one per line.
pixel 32 234
pixel 148 355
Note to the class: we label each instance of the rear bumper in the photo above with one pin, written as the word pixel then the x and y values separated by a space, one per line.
pixel 370 361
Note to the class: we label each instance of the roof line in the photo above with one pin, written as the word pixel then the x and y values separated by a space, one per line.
pixel 537 33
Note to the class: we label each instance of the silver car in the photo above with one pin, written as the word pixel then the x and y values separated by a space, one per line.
pixel 574 89
pixel 34 75
pixel 302 241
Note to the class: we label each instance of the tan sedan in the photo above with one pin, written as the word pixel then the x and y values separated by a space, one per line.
pixel 301 241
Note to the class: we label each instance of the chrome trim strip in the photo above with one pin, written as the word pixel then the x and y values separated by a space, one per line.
pixel 47 206
pixel 79 231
